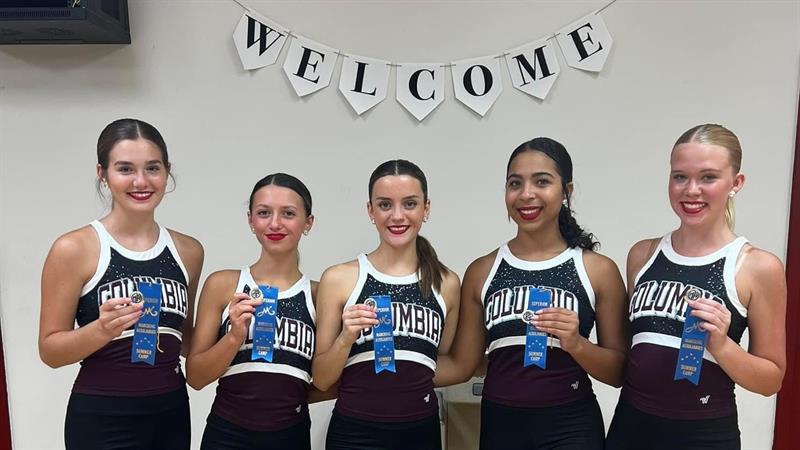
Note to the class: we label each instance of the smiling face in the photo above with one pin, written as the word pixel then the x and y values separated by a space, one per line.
pixel 701 179
pixel 533 191
pixel 278 218
pixel 136 175
pixel 398 207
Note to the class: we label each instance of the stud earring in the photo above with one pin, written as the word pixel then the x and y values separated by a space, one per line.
pixel 372 219
pixel 565 202
pixel 425 219
pixel 252 230
pixel 305 233
pixel 732 193
pixel 104 183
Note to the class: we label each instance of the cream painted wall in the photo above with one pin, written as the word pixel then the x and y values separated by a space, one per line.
pixel 673 65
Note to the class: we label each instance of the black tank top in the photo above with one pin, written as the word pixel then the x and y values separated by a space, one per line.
pixel 109 370
pixel 657 314
pixel 406 395
pixel 267 396
pixel 508 381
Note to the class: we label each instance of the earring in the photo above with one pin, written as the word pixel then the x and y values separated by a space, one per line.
pixel 425 219
pixel 565 202
pixel 372 219
pixel 305 233
pixel 252 230
pixel 732 193
pixel 104 183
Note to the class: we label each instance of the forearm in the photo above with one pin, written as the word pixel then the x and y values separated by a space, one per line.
pixel 68 347
pixel 449 371
pixel 601 363
pixel 756 374
pixel 327 366
pixel 205 367
pixel 315 395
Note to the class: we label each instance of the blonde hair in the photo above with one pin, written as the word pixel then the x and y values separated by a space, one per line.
pixel 713 134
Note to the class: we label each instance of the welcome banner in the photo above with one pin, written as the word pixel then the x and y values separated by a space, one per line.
pixel 420 87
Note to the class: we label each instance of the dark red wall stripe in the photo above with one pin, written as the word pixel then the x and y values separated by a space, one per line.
pixel 5 426
pixel 787 415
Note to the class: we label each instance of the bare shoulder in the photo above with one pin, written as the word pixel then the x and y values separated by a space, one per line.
pixel 188 246
pixel 340 279
pixel 81 245
pixel 220 286
pixel 641 251
pixel 598 262
pixel 761 266
pixel 451 284
pixel 223 278
pixel 479 269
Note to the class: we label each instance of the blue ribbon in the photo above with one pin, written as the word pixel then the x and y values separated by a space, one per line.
pixel 145 333
pixel 535 340
pixel 383 340
pixel 690 354
pixel 264 326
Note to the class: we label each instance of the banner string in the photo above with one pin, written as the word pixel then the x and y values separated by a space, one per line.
pixel 502 55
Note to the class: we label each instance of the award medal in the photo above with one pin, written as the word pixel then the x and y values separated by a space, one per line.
pixel 693 344
pixel 265 322
pixel 145 332
pixel 535 340
pixel 383 339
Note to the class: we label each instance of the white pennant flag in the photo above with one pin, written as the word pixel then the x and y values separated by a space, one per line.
pixel 364 81
pixel 586 43
pixel 309 65
pixel 258 40
pixel 420 87
pixel 533 67
pixel 477 82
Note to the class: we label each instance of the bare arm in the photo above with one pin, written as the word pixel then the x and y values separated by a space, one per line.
pixel 605 360
pixel 451 292
pixel 70 264
pixel 192 255
pixel 762 286
pixel 469 342
pixel 337 330
pixel 210 355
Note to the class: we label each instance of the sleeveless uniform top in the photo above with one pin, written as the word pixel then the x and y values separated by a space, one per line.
pixel 418 322
pixel 657 313
pixel 109 370
pixel 563 380
pixel 268 396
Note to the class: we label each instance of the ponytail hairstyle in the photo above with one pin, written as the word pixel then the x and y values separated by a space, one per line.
pixel 713 134
pixel 569 228
pixel 429 269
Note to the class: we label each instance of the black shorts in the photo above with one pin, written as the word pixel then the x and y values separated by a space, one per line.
pixel 573 426
pixel 221 434
pixel 156 422
pixel 348 433
pixel 632 429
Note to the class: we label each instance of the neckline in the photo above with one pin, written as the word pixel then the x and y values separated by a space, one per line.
pixel 291 292
pixel 133 254
pixel 671 253
pixel 386 278
pixel 536 265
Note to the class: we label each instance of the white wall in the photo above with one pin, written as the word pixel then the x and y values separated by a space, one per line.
pixel 673 65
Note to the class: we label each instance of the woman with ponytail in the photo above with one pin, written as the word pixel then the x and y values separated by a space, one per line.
pixel 385 394
pixel 529 403
pixel 701 276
